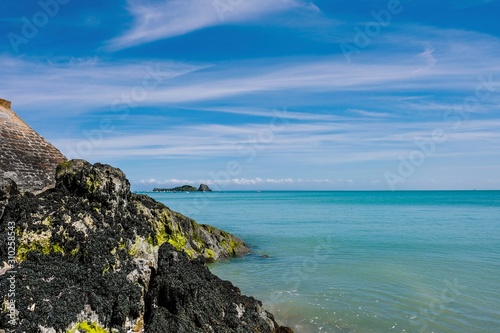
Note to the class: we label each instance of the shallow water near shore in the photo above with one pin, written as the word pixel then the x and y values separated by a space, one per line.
pixel 423 261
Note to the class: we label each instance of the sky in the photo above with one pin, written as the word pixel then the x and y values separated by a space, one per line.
pixel 263 94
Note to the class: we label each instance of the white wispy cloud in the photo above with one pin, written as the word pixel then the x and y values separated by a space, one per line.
pixel 85 84
pixel 172 181
pixel 325 143
pixel 457 59
pixel 155 20
pixel 282 113
pixel 370 113
pixel 428 56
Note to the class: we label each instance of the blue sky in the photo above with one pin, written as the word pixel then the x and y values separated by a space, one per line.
pixel 263 94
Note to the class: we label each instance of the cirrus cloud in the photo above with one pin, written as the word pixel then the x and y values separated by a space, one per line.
pixel 155 20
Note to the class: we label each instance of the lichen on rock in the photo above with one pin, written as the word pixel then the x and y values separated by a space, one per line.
pixel 86 327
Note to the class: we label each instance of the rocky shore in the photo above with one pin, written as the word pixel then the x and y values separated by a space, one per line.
pixel 90 256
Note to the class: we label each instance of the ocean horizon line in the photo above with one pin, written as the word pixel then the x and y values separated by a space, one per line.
pixel 278 190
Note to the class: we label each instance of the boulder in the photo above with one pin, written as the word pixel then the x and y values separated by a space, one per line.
pixel 184 297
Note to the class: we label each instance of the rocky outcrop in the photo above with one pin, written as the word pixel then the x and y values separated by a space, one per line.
pixel 25 156
pixel 204 188
pixel 90 256
pixel 185 297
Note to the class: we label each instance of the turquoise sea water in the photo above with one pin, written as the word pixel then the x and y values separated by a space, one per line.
pixel 362 261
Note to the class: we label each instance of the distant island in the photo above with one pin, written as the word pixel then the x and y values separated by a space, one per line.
pixel 185 188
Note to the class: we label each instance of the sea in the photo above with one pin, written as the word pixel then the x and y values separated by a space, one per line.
pixel 365 262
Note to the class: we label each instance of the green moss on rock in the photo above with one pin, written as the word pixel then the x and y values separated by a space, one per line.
pixel 47 221
pixel 178 241
pixel 32 242
pixel 92 183
pixel 86 327
pixel 63 167
pixel 210 255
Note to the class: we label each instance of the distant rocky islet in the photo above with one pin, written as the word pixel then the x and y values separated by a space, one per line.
pixel 185 188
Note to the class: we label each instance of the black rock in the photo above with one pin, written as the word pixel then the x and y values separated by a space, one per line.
pixel 185 297
pixel 204 188
pixel 8 189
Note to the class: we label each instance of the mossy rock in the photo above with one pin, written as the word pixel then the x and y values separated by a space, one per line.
pixel 86 327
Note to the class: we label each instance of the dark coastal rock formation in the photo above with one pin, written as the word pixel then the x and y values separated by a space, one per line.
pixel 87 260
pixel 204 188
pixel 8 189
pixel 185 188
pixel 25 156
pixel 185 297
